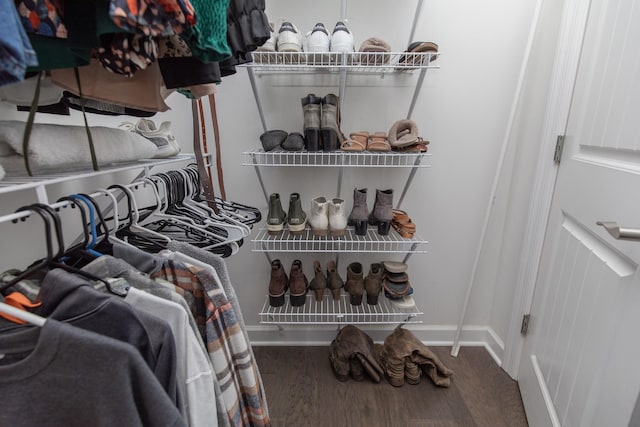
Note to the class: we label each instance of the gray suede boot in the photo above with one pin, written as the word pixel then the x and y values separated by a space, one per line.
pixel 359 213
pixel 330 135
pixel 382 214
pixel 311 110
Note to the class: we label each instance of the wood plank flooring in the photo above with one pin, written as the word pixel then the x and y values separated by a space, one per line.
pixel 302 391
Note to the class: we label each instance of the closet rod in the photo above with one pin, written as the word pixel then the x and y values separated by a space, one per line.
pixel 22 314
pixel 24 214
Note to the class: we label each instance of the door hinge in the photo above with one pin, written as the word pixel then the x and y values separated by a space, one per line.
pixel 557 155
pixel 524 328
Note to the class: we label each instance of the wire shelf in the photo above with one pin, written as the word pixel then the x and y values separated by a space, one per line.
pixel 367 159
pixel 306 242
pixel 17 182
pixel 353 62
pixel 328 311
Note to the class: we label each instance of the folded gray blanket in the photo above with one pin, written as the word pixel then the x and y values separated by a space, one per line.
pixel 57 147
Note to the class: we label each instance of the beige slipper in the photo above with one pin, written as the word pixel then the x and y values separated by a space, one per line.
pixel 403 133
pixel 358 142
pixel 378 142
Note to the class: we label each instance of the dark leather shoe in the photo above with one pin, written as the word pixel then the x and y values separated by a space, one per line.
pixel 278 284
pixel 355 283
pixel 298 284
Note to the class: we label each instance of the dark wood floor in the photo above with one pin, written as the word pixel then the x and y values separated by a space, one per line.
pixel 302 391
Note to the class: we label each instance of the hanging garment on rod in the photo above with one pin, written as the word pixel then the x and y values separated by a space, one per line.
pixel 201 296
pixel 73 377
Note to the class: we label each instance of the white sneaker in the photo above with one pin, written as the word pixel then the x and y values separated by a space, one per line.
pixel 341 39
pixel 161 137
pixel 317 43
pixel 289 38
pixel 318 40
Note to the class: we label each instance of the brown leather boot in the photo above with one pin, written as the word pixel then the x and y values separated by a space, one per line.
pixel 319 282
pixel 355 283
pixel 278 284
pixel 334 281
pixel 298 284
pixel 373 283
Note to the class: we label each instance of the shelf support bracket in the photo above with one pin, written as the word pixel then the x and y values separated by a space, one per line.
pixel 416 92
pixel 415 22
pixel 412 174
pixel 256 95
pixel 257 169
pixel 408 255
pixel 343 83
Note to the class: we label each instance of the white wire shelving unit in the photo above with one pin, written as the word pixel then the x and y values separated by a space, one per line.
pixel 365 159
pixel 328 311
pixel 371 242
pixel 352 62
pixel 401 64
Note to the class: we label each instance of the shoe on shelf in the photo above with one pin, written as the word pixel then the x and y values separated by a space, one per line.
pixel 273 139
pixel 359 213
pixel 160 136
pixel 319 282
pixel 278 284
pixel 355 283
pixel 298 284
pixel 312 117
pixel 318 44
pixel 289 42
pixel 264 54
pixel 381 215
pixel 296 218
pixel 337 217
pixel 334 281
pixel 341 42
pixel 294 142
pixel 331 136
pixel 276 216
pixel 318 216
pixel 373 283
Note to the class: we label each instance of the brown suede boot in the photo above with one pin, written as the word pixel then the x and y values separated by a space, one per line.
pixel 355 283
pixel 373 283
pixel 382 212
pixel 298 284
pixel 334 281
pixel 360 212
pixel 318 283
pixel 278 284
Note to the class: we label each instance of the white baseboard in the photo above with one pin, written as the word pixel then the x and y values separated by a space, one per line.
pixel 322 335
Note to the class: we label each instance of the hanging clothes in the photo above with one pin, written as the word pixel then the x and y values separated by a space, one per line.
pixel 55 375
pixel 16 52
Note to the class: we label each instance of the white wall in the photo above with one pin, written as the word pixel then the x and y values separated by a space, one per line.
pixel 462 110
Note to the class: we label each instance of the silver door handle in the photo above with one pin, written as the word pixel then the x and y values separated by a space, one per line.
pixel 618 232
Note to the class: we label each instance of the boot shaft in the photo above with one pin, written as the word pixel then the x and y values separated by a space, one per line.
pixel 383 207
pixel 276 214
pixel 296 215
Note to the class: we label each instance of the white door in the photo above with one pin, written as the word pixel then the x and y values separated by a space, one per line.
pixel 581 360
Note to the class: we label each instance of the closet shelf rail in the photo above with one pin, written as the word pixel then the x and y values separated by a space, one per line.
pixel 259 157
pixel 352 62
pixel 328 311
pixel 372 242
pixel 18 182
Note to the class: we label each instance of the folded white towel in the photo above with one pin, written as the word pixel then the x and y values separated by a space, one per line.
pixel 56 146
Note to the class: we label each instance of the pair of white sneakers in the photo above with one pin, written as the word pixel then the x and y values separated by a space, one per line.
pixel 160 136
pixel 341 39
pixel 289 39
